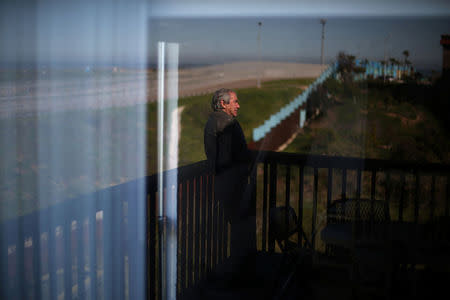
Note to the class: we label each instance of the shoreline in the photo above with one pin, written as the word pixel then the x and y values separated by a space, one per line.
pixel 117 90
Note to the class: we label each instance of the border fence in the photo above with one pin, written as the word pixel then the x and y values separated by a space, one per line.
pixel 378 69
pixel 274 120
pixel 298 106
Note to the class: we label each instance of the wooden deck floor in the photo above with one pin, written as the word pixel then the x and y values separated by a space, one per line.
pixel 261 278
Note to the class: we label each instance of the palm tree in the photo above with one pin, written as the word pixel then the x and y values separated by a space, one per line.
pixel 406 54
pixel 347 67
pixel 393 61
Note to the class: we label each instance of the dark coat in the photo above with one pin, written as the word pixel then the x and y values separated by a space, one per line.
pixel 225 144
pixel 228 156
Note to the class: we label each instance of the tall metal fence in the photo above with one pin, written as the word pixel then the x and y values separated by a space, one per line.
pixel 378 69
pixel 371 69
pixel 275 119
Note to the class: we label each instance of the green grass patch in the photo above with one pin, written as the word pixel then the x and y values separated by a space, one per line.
pixel 257 105
pixel 53 156
pixel 288 82
pixel 373 122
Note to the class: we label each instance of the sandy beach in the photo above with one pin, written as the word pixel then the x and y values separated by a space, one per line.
pixel 241 74
pixel 129 88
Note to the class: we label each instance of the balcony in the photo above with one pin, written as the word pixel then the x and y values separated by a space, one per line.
pixel 98 245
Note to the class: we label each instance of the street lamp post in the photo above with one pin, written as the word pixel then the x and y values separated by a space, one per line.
pixel 323 22
pixel 385 58
pixel 258 83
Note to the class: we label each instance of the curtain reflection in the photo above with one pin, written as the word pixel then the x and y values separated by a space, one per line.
pixel 72 156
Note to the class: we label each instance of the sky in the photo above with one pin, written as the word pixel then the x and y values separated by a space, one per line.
pixel 300 8
pixel 111 32
pixel 298 39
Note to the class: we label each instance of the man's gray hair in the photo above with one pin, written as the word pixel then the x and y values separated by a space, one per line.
pixel 222 94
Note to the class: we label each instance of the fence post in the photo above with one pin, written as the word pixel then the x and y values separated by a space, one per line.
pixel 37 275
pixel 52 254
pixel 93 245
pixel 106 225
pixel 300 203
pixel 253 203
pixel 272 200
pixel 264 212
pixel 137 234
pixel 118 235
pixel 314 216
pixel 204 204
pixel 67 235
pixel 197 236
pixel 182 261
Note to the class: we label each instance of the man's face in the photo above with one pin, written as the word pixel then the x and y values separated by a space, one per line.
pixel 232 107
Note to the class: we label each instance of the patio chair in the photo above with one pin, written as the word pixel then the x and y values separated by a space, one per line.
pixel 284 229
pixel 352 220
pixel 356 234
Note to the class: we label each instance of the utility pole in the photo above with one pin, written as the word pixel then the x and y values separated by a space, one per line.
pixel 258 83
pixel 323 22
pixel 385 58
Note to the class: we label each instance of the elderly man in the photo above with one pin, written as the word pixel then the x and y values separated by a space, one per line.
pixel 228 156
pixel 225 145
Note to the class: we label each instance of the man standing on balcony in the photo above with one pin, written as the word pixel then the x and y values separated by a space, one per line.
pixel 229 157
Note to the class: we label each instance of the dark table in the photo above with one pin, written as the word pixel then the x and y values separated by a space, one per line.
pixel 407 242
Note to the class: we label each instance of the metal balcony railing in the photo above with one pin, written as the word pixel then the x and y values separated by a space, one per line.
pixel 89 245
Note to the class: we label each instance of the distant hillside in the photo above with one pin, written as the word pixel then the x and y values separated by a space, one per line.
pixel 371 119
